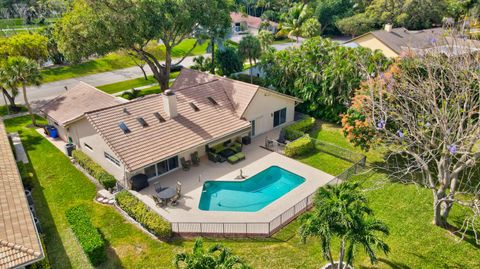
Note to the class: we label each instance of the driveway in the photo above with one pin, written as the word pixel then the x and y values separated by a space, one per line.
pixel 50 90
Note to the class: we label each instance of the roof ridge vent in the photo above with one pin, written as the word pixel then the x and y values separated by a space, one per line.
pixel 125 110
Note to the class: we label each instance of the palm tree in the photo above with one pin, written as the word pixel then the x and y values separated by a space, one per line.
pixel 22 71
pixel 266 39
pixel 250 48
pixel 201 259
pixel 6 84
pixel 292 21
pixel 342 211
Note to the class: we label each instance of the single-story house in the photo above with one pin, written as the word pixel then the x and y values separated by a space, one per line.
pixel 70 107
pixel 150 135
pixel 19 240
pixel 394 42
pixel 242 23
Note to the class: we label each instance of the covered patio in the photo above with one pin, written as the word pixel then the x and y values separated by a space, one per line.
pixel 187 218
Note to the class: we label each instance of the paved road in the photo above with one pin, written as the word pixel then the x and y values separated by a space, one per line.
pixel 50 90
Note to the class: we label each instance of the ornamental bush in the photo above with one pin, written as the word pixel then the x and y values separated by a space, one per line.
pixel 299 128
pixel 299 147
pixel 87 235
pixel 95 170
pixel 141 213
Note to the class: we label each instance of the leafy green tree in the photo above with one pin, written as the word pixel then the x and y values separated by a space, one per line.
pixel 321 73
pixel 292 21
pixel 8 90
pixel 228 61
pixel 30 45
pixel 250 48
pixel 52 46
pixel 356 25
pixel 22 71
pixel 266 39
pixel 311 28
pixel 342 211
pixel 217 256
pixel 96 27
pixel 328 12
pixel 201 63
pixel 216 23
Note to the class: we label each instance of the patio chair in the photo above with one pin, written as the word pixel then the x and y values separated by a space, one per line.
pixel 174 200
pixel 158 187
pixel 185 164
pixel 158 202
pixel 195 158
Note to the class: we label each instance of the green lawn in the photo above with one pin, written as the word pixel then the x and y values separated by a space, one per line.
pixel 115 61
pixel 132 83
pixel 415 243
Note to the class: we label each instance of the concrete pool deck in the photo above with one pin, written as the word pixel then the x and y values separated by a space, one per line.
pixel 257 159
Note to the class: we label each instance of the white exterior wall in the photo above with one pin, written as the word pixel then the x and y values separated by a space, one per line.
pixel 262 107
pixel 83 132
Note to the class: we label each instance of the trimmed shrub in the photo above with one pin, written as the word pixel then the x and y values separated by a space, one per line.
pixel 141 213
pixel 301 146
pixel 299 128
pixel 95 170
pixel 88 236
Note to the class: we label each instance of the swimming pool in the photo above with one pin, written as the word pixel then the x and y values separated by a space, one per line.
pixel 249 195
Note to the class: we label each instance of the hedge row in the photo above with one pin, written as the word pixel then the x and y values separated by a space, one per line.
pixel 299 147
pixel 88 236
pixel 299 128
pixel 95 170
pixel 141 213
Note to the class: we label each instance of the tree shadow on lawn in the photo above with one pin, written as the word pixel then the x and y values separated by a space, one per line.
pixel 113 260
pixel 53 242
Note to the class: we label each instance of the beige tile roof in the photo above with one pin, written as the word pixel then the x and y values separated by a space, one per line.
pixel 73 103
pixel 239 93
pixel 147 145
pixel 19 241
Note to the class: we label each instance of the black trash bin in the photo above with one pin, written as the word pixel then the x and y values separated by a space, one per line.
pixel 69 149
pixel 246 140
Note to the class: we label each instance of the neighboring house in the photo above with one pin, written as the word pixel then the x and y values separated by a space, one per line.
pixel 19 240
pixel 149 135
pixel 70 107
pixel 395 41
pixel 242 24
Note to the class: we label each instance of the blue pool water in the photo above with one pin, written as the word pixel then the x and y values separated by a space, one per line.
pixel 250 195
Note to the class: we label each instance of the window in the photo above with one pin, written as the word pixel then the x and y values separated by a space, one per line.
pixel 142 122
pixel 252 132
pixel 124 127
pixel 159 117
pixel 279 117
pixel 88 146
pixel 111 159
pixel 212 101
pixel 161 167
pixel 195 107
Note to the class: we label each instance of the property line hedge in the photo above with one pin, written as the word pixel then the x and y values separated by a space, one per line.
pixel 88 236
pixel 299 147
pixel 95 170
pixel 141 213
pixel 299 128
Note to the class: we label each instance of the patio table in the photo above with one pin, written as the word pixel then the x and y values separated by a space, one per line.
pixel 168 193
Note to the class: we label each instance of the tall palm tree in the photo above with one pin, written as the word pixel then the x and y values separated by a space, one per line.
pixel 342 211
pixel 266 39
pixel 22 71
pixel 199 258
pixel 292 21
pixel 250 48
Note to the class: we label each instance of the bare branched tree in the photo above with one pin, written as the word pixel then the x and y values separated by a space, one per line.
pixel 425 111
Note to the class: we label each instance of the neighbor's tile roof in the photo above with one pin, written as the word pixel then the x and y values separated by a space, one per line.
pixel 73 104
pixel 19 241
pixel 400 39
pixel 254 22
pixel 147 145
